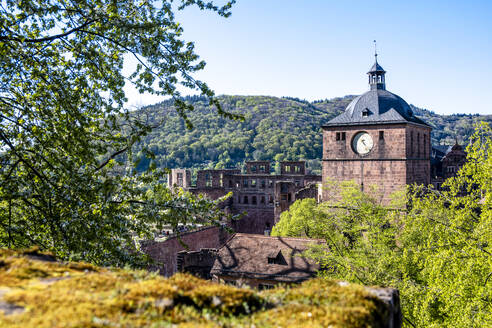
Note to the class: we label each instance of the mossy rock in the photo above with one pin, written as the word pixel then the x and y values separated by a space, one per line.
pixel 37 291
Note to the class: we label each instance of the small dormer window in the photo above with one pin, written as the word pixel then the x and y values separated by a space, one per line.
pixel 276 257
pixel 366 112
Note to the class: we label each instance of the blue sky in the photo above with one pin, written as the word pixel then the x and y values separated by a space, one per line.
pixel 438 54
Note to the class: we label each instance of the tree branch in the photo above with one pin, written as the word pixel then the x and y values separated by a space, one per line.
pixel 48 38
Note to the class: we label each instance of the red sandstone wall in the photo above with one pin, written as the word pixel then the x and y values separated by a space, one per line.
pixel 400 158
pixel 256 220
pixel 164 253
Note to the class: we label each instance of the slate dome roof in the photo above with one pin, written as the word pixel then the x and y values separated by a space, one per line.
pixel 376 106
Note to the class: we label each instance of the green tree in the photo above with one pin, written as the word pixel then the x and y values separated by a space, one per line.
pixel 437 252
pixel 64 128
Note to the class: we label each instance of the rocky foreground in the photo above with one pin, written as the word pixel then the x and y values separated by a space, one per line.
pixel 38 291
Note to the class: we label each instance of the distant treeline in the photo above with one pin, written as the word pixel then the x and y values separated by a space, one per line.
pixel 273 129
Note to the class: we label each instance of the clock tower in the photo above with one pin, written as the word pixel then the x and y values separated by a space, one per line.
pixel 377 141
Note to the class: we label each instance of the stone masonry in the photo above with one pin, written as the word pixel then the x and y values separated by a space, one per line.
pixel 257 194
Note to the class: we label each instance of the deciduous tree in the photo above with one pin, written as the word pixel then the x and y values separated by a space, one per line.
pixel 64 125
pixel 437 251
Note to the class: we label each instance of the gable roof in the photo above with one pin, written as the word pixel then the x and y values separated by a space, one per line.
pixel 246 255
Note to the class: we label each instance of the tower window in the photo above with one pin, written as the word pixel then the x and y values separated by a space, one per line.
pixel 425 145
pixel 381 135
pixel 411 143
pixel 343 135
pixel 338 136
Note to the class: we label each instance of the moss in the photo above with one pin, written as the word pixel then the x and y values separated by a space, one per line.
pixel 55 294
pixel 322 303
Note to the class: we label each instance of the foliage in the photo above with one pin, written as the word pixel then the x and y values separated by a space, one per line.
pixel 273 129
pixel 437 252
pixel 46 294
pixel 64 126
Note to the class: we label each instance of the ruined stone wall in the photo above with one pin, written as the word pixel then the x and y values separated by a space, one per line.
pixel 164 253
pixel 198 263
pixel 311 191
pixel 256 220
pixel 179 178
pixel 213 178
pixel 253 193
pixel 258 167
pixel 298 167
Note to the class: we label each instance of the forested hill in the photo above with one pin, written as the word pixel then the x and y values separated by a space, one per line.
pixel 274 129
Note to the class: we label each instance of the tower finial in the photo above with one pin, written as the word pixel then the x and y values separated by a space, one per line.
pixel 375 51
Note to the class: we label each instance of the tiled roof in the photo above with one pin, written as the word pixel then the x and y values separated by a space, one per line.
pixel 247 255
pixel 382 107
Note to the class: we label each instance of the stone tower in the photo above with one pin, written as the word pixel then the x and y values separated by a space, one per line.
pixel 377 141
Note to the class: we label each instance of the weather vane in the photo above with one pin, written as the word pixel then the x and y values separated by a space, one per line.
pixel 375 50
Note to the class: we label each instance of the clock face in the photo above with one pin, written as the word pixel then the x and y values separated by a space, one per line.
pixel 362 143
